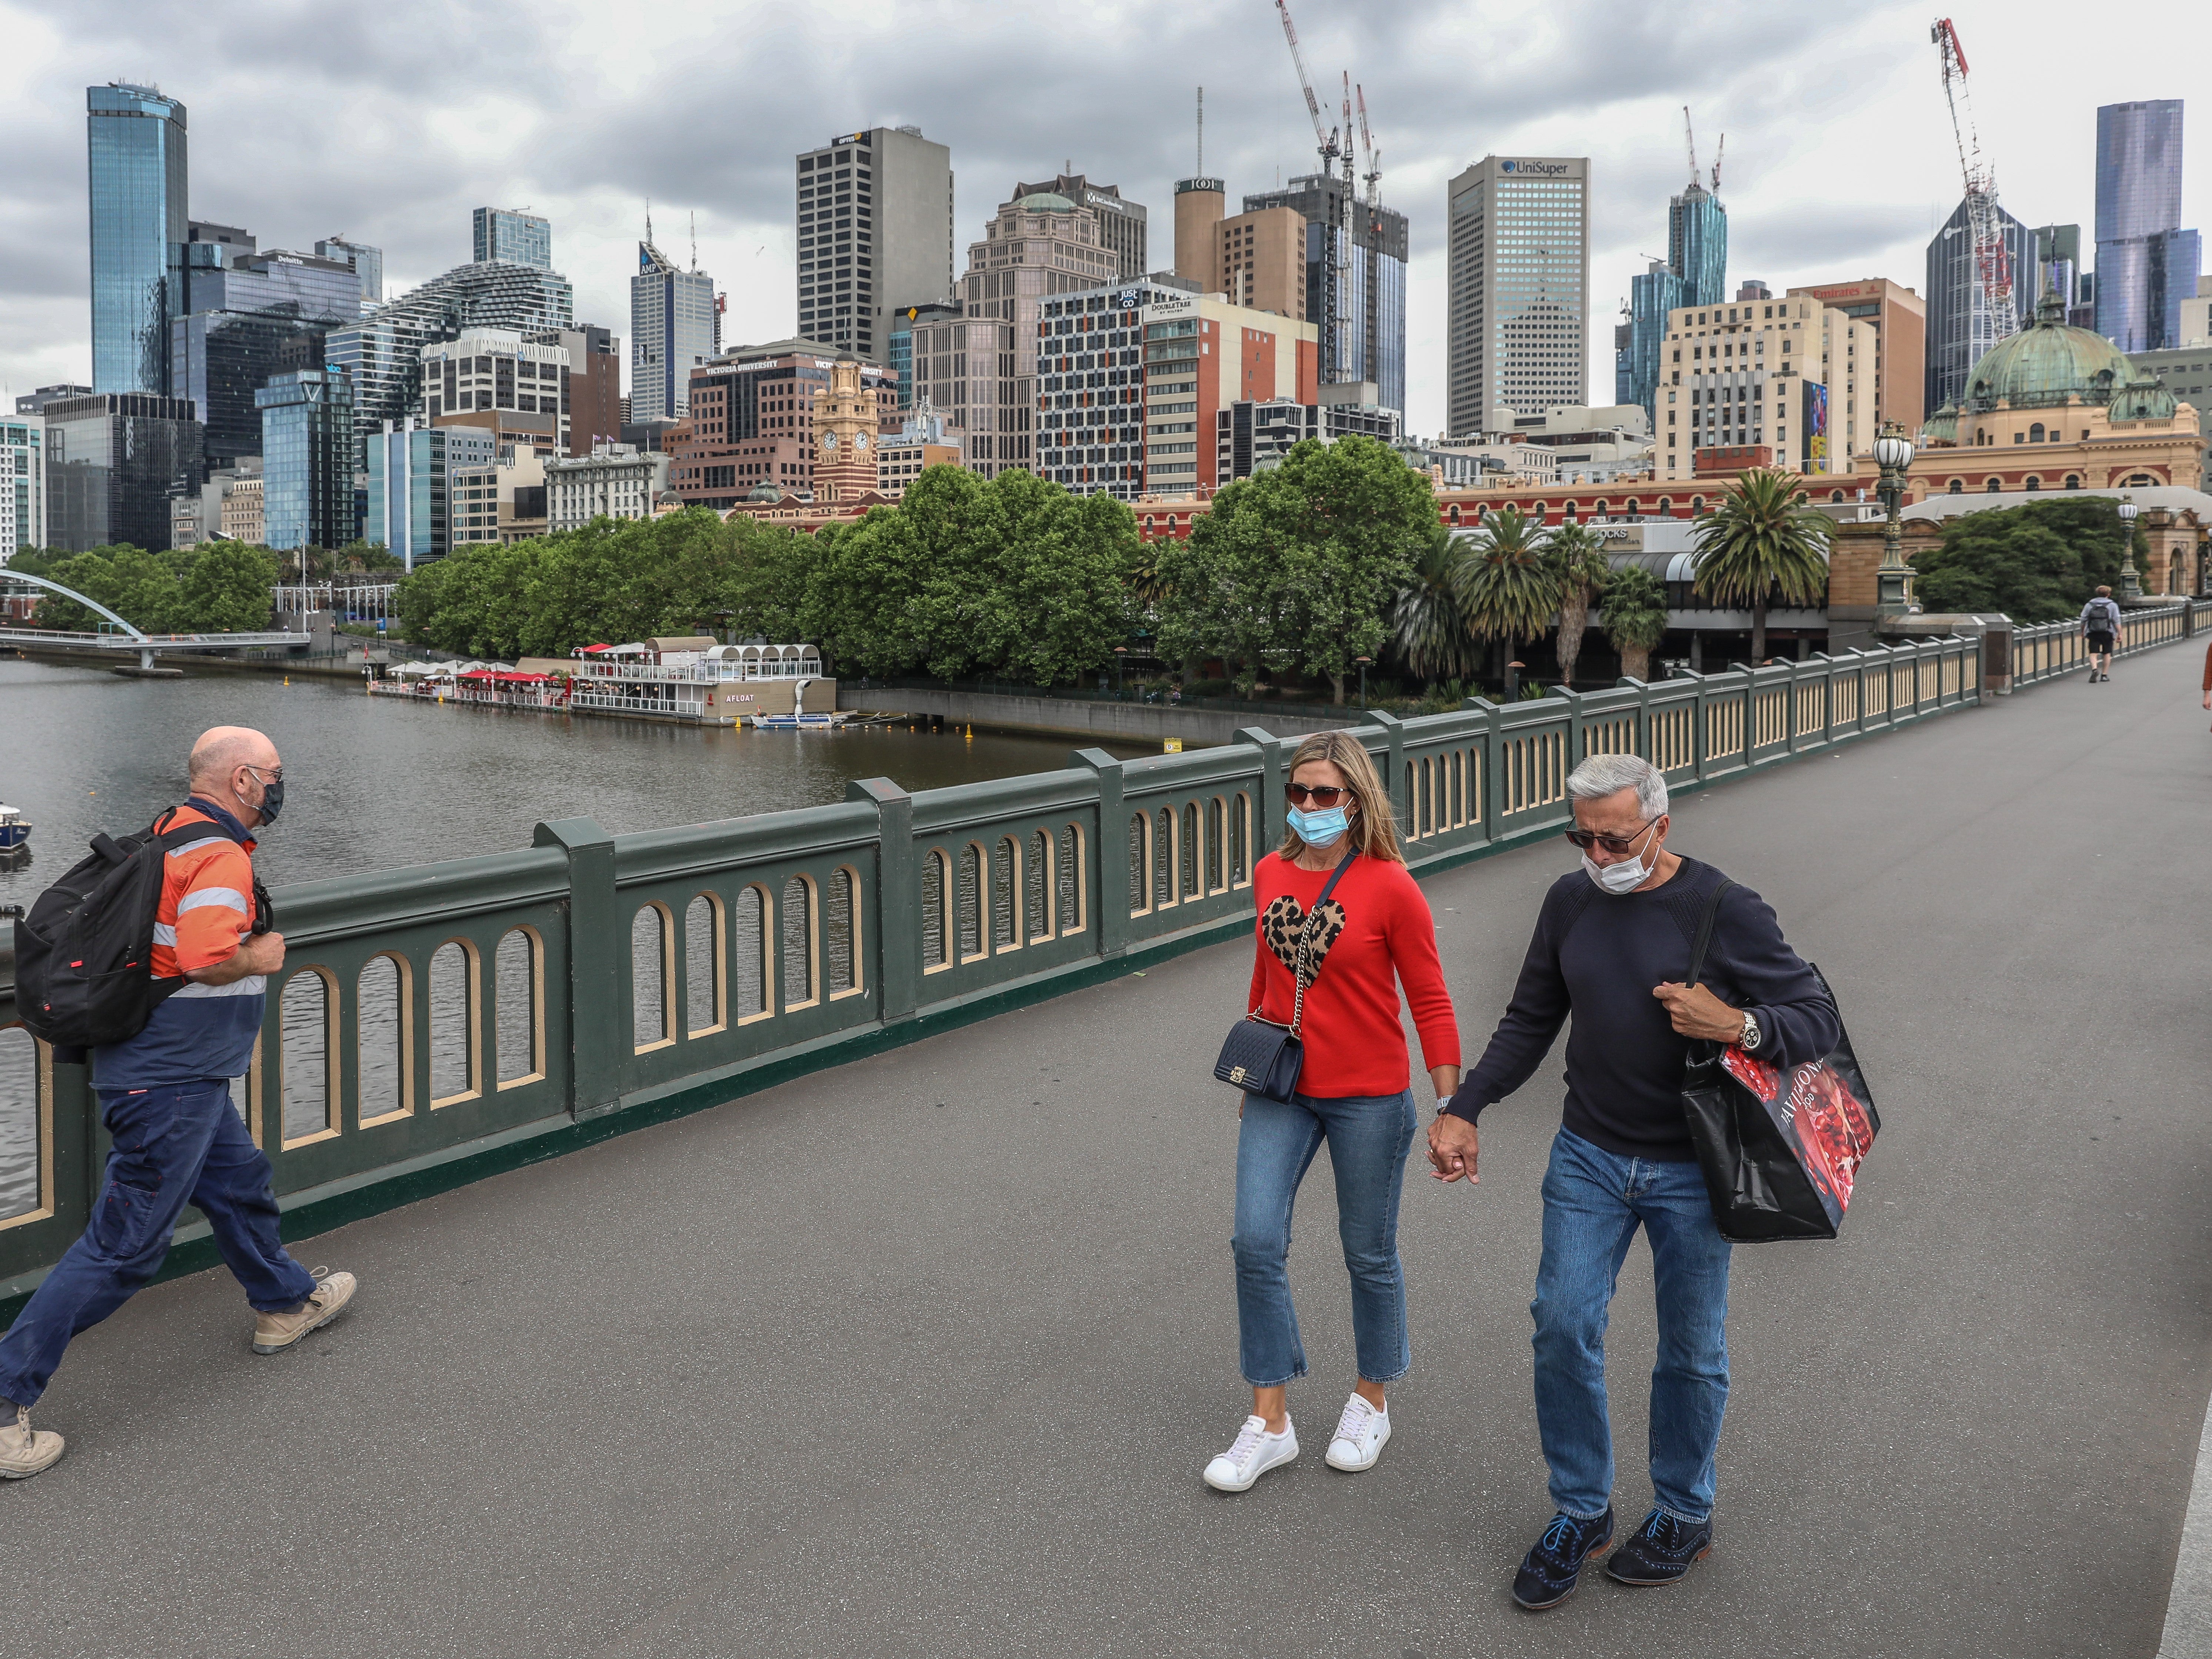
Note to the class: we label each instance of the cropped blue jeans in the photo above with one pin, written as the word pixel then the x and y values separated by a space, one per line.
pixel 1593 1202
pixel 1368 1138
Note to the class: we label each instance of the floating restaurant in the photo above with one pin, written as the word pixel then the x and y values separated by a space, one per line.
pixel 692 678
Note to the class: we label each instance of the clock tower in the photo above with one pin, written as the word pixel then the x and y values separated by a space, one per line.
pixel 845 464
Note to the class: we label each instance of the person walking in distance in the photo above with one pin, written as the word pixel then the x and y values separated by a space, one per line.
pixel 2100 626
pixel 165 1097
pixel 1612 946
pixel 1371 934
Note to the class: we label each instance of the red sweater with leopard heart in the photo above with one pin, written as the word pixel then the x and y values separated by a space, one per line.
pixel 1374 934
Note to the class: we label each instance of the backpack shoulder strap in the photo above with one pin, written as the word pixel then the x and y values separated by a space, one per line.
pixel 1705 940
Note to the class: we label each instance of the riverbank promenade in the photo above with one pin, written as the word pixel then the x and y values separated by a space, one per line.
pixel 923 1354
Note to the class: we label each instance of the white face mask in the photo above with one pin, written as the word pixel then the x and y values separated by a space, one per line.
pixel 1627 875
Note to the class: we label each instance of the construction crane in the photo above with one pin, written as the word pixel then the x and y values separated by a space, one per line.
pixel 1374 173
pixel 1330 145
pixel 1690 137
pixel 1992 260
pixel 1720 151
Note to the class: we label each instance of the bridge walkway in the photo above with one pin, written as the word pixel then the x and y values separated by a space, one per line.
pixel 923 1355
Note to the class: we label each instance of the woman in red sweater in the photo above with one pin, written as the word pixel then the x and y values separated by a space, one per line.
pixel 1372 934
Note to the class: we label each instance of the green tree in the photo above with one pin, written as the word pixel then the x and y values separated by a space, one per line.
pixel 418 601
pixel 1428 623
pixel 1577 560
pixel 1634 618
pixel 142 587
pixel 1761 539
pixel 2036 562
pixel 1506 584
pixel 224 589
pixel 1303 560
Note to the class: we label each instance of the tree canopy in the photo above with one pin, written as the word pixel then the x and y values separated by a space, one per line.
pixel 2036 562
pixel 1299 564
pixel 217 588
pixel 1761 539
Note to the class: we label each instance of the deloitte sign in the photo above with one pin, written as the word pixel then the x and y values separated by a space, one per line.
pixel 1538 169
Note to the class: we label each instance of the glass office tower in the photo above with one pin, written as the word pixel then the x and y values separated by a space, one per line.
pixel 135 145
pixel 520 238
pixel 307 468
pixel 2145 263
pixel 1697 245
pixel 113 461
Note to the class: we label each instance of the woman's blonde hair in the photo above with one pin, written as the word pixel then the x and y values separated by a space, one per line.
pixel 1374 831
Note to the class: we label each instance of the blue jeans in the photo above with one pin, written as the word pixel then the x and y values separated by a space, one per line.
pixel 1368 1138
pixel 1594 1200
pixel 174 1144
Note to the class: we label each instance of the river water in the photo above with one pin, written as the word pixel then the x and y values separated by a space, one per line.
pixel 374 782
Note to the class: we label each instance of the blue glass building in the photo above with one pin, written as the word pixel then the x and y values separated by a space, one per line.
pixel 1363 337
pixel 1694 274
pixel 306 466
pixel 2147 265
pixel 410 469
pixel 253 316
pixel 135 140
pixel 519 239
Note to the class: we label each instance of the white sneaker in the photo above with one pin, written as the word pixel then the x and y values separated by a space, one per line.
pixel 1361 1434
pixel 1255 1452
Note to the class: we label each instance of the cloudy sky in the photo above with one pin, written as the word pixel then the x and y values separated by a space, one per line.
pixel 389 123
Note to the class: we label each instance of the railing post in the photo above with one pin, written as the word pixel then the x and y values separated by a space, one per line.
pixel 1268 807
pixel 898 909
pixel 1113 836
pixel 1577 732
pixel 600 1027
pixel 1493 763
pixel 1394 775
pixel 1701 723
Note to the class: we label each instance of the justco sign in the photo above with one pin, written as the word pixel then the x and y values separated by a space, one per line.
pixel 1542 169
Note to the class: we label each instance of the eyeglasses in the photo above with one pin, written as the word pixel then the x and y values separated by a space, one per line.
pixel 1618 846
pixel 275 776
pixel 1325 796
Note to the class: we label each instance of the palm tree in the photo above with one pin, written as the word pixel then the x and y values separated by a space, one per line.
pixel 1634 618
pixel 1504 584
pixel 1428 623
pixel 1577 559
pixel 1761 540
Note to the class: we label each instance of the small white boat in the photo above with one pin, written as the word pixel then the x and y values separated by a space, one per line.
pixel 798 722
pixel 15 831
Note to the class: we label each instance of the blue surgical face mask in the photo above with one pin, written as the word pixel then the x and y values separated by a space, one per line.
pixel 1320 828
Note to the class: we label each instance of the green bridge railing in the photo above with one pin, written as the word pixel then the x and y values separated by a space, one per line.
pixel 440 1023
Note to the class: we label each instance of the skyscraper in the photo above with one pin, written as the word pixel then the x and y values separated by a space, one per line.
pixel 1960 328
pixel 1120 223
pixel 520 238
pixel 368 264
pixel 1517 334
pixel 875 234
pixel 673 328
pixel 252 315
pixel 113 459
pixel 1695 273
pixel 2147 266
pixel 136 146
pixel 1363 331
pixel 307 453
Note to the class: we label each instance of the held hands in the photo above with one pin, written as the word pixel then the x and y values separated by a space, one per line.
pixel 1697 1013
pixel 1453 1148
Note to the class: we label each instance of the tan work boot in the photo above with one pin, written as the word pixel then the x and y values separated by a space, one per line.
pixel 273 1333
pixel 25 1450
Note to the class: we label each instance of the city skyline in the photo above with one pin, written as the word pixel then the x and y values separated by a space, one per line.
pixel 603 128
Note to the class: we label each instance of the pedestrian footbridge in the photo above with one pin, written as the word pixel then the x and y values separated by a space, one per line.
pixel 808 1234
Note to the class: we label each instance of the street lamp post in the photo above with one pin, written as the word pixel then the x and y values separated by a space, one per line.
pixel 2130 583
pixel 1121 656
pixel 1892 454
pixel 1362 662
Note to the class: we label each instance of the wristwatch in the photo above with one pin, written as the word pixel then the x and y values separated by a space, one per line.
pixel 1750 1040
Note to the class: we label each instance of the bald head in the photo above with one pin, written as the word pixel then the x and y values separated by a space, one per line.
pixel 222 749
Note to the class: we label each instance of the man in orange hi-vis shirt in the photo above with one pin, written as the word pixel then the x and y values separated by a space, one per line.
pixel 165 1097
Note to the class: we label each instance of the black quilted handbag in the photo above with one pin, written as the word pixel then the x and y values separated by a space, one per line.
pixel 1264 1058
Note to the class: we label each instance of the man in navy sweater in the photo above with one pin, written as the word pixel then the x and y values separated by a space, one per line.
pixel 1612 948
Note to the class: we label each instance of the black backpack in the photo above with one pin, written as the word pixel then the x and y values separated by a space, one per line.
pixel 84 955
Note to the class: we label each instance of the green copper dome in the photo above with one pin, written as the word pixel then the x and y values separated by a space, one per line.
pixel 1045 201
pixel 2145 400
pixel 1942 426
pixel 2047 363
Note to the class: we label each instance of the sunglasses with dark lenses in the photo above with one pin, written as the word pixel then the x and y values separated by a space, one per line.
pixel 1618 846
pixel 1324 797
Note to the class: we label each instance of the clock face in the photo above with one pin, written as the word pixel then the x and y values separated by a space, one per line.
pixel 828 443
pixel 862 441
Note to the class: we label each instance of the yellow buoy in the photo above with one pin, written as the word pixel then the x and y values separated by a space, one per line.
pixel 288 679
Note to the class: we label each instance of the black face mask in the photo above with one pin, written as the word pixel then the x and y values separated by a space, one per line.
pixel 272 800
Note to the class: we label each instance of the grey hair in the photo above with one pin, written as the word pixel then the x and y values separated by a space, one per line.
pixel 1608 775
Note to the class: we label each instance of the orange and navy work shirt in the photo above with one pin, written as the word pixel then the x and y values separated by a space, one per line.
pixel 198 1031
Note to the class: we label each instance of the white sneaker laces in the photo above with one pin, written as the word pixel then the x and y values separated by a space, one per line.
pixel 1247 1440
pixel 1353 1423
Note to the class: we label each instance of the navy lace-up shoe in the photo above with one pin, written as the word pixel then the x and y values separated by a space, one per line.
pixel 1662 1551
pixel 1549 1571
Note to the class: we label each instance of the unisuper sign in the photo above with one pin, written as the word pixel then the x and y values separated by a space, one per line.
pixel 1537 169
